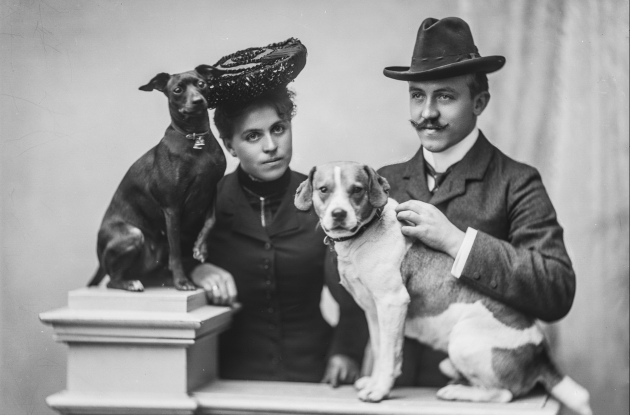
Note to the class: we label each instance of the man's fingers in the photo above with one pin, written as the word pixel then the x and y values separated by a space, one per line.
pixel 409 216
pixel 414 205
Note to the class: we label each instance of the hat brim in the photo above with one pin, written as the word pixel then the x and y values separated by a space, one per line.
pixel 486 64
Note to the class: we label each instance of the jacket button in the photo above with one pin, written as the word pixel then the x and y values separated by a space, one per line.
pixel 476 275
pixel 494 284
pixel 267 246
pixel 270 309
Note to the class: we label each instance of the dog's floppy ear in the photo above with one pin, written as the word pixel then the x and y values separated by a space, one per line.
pixel 158 82
pixel 208 71
pixel 304 193
pixel 378 190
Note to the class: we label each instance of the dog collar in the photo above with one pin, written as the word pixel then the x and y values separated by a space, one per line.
pixel 198 137
pixel 328 240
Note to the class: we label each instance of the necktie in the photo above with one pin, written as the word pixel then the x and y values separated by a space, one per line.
pixel 438 177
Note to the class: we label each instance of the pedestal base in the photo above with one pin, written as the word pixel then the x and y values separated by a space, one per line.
pixel 136 353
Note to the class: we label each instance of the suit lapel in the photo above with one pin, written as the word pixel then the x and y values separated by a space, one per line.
pixel 472 167
pixel 416 179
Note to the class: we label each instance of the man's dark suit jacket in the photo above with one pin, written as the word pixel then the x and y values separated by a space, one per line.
pixel 518 256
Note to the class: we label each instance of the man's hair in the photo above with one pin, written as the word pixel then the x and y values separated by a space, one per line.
pixel 477 83
pixel 281 99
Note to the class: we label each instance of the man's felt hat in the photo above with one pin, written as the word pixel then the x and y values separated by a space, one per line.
pixel 248 73
pixel 444 48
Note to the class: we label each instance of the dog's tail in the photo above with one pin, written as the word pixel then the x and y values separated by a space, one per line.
pixel 566 390
pixel 98 276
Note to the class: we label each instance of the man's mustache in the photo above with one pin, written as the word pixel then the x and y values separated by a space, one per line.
pixel 426 123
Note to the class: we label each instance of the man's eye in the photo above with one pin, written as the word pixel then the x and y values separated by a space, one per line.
pixel 444 97
pixel 323 189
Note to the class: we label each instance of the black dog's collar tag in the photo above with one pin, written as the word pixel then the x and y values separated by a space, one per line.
pixel 199 141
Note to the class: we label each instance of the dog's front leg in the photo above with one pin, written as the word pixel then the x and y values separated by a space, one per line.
pixel 391 310
pixel 173 233
pixel 200 250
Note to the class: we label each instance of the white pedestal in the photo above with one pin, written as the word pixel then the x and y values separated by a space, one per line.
pixel 136 353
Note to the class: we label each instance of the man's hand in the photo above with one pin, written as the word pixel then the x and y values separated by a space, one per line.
pixel 429 225
pixel 217 282
pixel 341 369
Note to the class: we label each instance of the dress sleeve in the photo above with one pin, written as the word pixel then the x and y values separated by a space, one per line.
pixel 351 333
pixel 531 271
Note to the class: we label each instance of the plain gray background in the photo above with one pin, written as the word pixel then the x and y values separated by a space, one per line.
pixel 72 120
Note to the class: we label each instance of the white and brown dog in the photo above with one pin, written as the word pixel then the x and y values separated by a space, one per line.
pixel 405 288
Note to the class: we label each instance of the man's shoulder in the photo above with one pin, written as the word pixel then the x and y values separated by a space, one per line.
pixel 510 168
pixel 396 169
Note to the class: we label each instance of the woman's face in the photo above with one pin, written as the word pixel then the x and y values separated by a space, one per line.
pixel 262 142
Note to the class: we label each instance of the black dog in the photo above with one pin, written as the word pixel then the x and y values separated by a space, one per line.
pixel 166 196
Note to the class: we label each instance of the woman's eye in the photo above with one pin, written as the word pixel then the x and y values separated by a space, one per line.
pixel 278 129
pixel 201 84
pixel 323 189
pixel 252 137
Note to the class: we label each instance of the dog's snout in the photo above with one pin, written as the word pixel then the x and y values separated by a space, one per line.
pixel 339 214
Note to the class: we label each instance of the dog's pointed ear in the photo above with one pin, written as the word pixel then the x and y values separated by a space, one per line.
pixel 208 71
pixel 378 191
pixel 158 82
pixel 304 193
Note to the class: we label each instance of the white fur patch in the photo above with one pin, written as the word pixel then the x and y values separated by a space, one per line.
pixel 468 332
pixel 572 395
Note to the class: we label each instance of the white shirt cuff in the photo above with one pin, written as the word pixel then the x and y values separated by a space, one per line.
pixel 464 251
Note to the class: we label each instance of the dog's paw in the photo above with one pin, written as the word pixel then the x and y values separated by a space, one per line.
pixel 128 285
pixel 362 383
pixel 374 394
pixel 371 389
pixel 185 285
pixel 459 392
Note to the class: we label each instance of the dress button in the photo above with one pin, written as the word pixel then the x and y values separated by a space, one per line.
pixel 267 246
pixel 270 309
pixel 268 282
pixel 494 284
pixel 476 275
pixel 275 361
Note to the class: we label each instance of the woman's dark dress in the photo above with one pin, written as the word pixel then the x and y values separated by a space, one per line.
pixel 279 334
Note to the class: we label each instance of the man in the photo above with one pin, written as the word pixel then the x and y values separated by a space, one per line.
pixel 464 197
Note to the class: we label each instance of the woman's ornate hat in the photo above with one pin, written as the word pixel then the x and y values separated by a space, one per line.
pixel 248 73
pixel 444 48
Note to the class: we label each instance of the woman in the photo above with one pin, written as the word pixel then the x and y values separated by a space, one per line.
pixel 270 254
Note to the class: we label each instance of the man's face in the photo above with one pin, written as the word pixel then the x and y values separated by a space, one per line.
pixel 442 111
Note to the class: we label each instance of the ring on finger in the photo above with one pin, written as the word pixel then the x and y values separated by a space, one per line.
pixel 214 288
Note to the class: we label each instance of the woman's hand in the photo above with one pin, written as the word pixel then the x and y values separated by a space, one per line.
pixel 217 282
pixel 428 224
pixel 341 369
